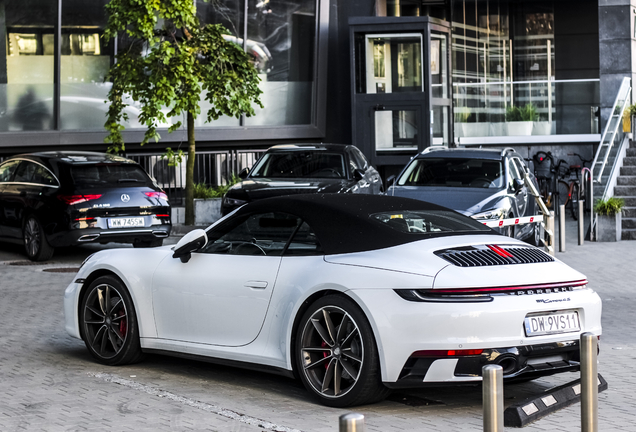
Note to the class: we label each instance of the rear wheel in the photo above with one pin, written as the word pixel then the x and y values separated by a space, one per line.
pixel 574 201
pixel 108 322
pixel 336 354
pixel 35 244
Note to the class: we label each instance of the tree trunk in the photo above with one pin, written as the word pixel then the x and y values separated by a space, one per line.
pixel 189 190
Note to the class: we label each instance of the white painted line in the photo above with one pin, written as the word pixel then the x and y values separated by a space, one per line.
pixel 192 403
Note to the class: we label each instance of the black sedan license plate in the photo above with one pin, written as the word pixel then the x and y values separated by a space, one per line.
pixel 552 323
pixel 126 222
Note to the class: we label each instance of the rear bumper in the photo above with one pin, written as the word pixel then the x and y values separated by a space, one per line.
pixel 518 363
pixel 99 235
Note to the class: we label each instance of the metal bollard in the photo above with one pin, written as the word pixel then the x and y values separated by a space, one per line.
pixel 352 422
pixel 589 383
pixel 492 396
pixel 562 228
pixel 549 228
pixel 581 222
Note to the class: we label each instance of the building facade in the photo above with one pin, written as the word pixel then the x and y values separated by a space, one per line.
pixel 391 76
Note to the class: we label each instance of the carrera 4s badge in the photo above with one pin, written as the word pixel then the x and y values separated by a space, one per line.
pixel 553 300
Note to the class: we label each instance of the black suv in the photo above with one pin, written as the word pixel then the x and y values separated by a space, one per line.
pixel 53 199
pixel 486 184
pixel 304 168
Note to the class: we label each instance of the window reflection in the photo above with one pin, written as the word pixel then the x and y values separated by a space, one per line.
pixel 396 130
pixel 394 63
pixel 26 65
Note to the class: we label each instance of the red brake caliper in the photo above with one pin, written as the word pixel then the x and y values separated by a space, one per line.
pixel 122 324
pixel 324 354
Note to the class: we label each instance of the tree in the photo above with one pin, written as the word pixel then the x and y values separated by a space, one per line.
pixel 174 65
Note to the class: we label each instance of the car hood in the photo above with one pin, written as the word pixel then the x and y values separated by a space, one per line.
pixel 464 200
pixel 254 189
pixel 418 258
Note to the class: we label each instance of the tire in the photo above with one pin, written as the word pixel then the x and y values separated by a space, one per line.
pixel 537 234
pixel 341 371
pixel 108 323
pixel 36 245
pixel 574 201
pixel 148 243
pixel 563 190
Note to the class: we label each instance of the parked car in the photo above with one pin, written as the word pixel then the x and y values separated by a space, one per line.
pixel 353 294
pixel 304 168
pixel 485 184
pixel 54 199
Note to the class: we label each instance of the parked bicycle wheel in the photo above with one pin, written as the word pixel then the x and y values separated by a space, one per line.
pixel 563 193
pixel 575 196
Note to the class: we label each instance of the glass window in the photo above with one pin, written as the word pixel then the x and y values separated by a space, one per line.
pixel 396 130
pixel 281 39
pixel 108 175
pixel 316 164
pixel 512 171
pixel 431 221
pixel 304 243
pixel 439 68
pixel 259 234
pixel 86 59
pixel 357 160
pixel 43 176
pixel 26 67
pixel 25 172
pixel 393 64
pixel 7 170
pixel 453 172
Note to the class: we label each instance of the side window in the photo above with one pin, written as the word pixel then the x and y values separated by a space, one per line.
pixel 353 163
pixel 7 170
pixel 259 234
pixel 25 172
pixel 512 170
pixel 361 161
pixel 44 176
pixel 520 166
pixel 304 243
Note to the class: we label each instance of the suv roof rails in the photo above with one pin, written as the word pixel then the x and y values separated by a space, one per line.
pixel 506 150
pixel 434 148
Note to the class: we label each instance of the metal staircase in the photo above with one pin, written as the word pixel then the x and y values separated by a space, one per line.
pixel 611 150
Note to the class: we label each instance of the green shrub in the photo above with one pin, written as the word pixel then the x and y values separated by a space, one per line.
pixel 201 190
pixel 527 113
pixel 630 111
pixel 609 207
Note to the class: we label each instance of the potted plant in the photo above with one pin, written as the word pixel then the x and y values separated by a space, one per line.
pixel 464 127
pixel 519 121
pixel 207 201
pixel 608 219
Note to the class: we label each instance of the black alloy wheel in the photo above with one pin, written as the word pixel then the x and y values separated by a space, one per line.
pixel 109 324
pixel 35 244
pixel 336 354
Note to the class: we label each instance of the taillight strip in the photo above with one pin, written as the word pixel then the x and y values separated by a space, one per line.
pixel 572 284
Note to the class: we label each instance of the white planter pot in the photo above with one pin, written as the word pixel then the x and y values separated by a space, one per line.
pixel 542 128
pixel 519 128
pixel 497 129
pixel 206 211
pixel 608 228
pixel 471 129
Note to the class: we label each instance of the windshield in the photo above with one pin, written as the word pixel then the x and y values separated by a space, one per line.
pixel 109 175
pixel 428 221
pixel 453 172
pixel 315 164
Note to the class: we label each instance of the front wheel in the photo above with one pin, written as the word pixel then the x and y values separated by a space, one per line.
pixel 36 246
pixel 336 354
pixel 108 322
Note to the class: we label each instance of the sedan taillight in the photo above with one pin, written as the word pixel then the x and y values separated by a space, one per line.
pixel 77 199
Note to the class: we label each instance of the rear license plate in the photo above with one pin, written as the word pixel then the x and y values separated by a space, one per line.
pixel 125 222
pixel 552 323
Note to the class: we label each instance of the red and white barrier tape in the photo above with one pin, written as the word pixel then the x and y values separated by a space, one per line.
pixel 512 221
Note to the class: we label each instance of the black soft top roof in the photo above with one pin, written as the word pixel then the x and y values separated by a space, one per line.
pixel 342 223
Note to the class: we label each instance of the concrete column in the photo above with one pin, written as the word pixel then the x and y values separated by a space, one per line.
pixel 617 49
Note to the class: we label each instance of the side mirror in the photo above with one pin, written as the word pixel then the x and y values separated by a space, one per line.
pixel 517 184
pixel 191 242
pixel 243 173
pixel 358 174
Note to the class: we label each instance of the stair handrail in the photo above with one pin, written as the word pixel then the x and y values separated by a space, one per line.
pixel 616 169
pixel 622 95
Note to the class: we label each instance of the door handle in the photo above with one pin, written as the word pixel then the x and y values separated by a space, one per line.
pixel 256 284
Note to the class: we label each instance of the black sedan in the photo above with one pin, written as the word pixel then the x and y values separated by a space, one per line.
pixel 309 168
pixel 54 199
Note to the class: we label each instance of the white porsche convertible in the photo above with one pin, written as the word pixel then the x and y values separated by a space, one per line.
pixel 353 294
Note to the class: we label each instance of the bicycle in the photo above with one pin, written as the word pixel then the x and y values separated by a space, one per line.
pixel 544 173
pixel 569 189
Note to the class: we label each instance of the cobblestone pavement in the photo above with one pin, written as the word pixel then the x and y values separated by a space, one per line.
pixel 49 382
